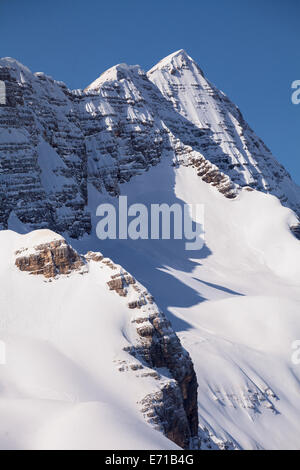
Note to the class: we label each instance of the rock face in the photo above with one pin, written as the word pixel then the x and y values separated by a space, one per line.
pixel 43 161
pixel 160 347
pixel 55 144
pixel 173 409
pixel 172 406
pixel 49 259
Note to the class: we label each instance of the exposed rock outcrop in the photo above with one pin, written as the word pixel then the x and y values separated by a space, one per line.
pixel 211 174
pixel 159 346
pixel 49 259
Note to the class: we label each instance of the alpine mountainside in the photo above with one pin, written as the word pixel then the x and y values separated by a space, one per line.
pixel 57 144
pixel 105 348
pixel 141 343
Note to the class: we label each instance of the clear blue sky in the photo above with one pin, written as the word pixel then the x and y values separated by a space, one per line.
pixel 249 48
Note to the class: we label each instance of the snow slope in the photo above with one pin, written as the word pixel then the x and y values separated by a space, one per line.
pixel 61 387
pixel 234 304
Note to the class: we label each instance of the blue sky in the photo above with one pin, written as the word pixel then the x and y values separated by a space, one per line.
pixel 249 48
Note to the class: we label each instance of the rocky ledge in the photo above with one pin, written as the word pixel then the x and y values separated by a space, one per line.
pixel 49 259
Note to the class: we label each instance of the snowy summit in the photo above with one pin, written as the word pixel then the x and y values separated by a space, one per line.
pixel 141 344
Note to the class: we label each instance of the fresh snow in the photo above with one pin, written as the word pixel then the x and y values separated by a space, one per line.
pixel 234 304
pixel 61 387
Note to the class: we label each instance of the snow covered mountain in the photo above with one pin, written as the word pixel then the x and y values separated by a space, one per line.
pixel 55 142
pixel 226 139
pixel 87 345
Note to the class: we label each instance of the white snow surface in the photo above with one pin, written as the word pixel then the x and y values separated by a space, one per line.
pixel 60 387
pixel 234 304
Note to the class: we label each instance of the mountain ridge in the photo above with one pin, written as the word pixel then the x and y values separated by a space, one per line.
pixel 128 122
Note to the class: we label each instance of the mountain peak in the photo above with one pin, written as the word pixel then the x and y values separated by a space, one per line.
pixel 13 63
pixel 176 61
pixel 117 72
pixel 180 53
